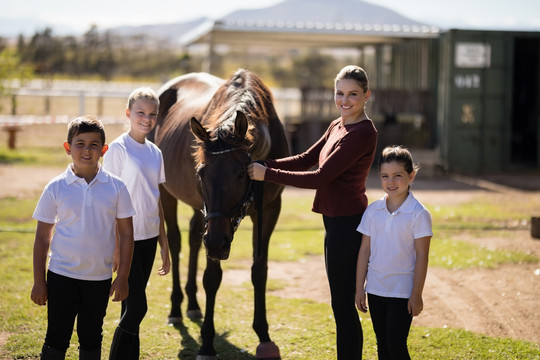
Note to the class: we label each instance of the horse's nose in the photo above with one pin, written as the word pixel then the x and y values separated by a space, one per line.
pixel 218 246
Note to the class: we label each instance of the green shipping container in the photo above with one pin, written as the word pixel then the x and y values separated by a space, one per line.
pixel 489 101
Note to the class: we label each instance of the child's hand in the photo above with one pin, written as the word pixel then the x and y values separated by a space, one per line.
pixel 39 293
pixel 415 305
pixel 166 262
pixel 360 300
pixel 120 289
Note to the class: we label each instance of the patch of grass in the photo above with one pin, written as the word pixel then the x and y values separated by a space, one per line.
pixel 485 213
pixel 17 214
pixel 43 156
pixel 454 254
pixel 457 344
pixel 285 245
pixel 10 157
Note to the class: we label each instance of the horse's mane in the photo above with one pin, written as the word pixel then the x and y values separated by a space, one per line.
pixel 245 92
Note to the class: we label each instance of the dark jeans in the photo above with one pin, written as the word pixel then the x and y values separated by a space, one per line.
pixel 341 245
pixel 391 323
pixel 134 307
pixel 70 298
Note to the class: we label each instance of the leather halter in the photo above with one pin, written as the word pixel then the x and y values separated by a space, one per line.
pixel 239 211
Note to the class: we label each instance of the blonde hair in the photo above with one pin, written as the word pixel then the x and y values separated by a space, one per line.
pixel 144 93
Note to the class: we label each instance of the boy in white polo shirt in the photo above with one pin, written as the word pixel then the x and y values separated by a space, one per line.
pixel 78 215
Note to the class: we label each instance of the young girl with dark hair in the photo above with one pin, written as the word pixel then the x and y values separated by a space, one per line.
pixel 393 257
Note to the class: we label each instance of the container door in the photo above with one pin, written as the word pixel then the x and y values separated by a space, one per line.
pixel 474 101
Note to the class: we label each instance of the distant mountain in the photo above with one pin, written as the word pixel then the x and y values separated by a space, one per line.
pixel 295 11
pixel 324 11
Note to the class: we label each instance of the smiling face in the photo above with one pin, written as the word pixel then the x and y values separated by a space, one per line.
pixel 85 150
pixel 142 118
pixel 350 100
pixel 395 180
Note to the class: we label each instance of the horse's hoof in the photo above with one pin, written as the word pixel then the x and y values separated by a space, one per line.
pixel 194 314
pixel 268 350
pixel 175 320
pixel 207 357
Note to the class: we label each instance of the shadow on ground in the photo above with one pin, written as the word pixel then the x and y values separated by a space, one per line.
pixel 225 350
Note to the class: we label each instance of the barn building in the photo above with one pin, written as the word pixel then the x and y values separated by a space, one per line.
pixel 465 101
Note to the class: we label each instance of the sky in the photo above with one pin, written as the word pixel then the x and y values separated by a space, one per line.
pixel 79 15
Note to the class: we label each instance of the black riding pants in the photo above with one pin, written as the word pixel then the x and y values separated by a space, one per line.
pixel 70 299
pixel 391 323
pixel 341 245
pixel 134 307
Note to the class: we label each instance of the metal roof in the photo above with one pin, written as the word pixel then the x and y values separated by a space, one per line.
pixel 300 34
pixel 311 23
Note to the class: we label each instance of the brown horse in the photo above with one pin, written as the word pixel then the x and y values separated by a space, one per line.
pixel 232 123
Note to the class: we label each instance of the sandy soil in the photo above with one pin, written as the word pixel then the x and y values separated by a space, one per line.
pixel 500 302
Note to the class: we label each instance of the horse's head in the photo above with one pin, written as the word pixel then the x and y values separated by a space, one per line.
pixel 226 188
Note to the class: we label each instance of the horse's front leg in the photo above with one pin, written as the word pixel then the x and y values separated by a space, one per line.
pixel 212 277
pixel 196 231
pixel 267 349
pixel 169 204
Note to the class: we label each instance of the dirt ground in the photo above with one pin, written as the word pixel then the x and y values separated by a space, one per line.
pixel 499 302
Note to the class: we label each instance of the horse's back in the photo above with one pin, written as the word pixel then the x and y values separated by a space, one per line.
pixel 191 92
pixel 181 99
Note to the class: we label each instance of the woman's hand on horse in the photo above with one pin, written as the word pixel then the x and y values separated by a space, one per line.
pixel 256 171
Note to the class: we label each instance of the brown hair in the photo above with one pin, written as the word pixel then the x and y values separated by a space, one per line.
pixel 85 124
pixel 356 73
pixel 398 154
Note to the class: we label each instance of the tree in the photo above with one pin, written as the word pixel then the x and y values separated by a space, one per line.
pixel 315 70
pixel 13 73
pixel 306 70
pixel 46 52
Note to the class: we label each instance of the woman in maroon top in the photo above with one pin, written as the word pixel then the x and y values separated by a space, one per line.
pixel 344 155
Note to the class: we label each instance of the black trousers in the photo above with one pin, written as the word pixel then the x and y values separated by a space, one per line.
pixel 341 245
pixel 135 306
pixel 70 298
pixel 391 323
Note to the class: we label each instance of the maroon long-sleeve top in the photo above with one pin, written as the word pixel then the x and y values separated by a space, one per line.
pixel 344 155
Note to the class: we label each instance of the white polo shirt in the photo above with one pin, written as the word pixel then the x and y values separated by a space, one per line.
pixel 392 258
pixel 84 215
pixel 141 168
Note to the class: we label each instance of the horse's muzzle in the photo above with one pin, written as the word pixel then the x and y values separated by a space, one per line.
pixel 218 239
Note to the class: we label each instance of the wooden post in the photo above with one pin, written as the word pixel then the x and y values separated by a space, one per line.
pixel 535 227
pixel 12 132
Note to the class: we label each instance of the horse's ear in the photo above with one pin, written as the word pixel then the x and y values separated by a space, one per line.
pixel 198 130
pixel 240 125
